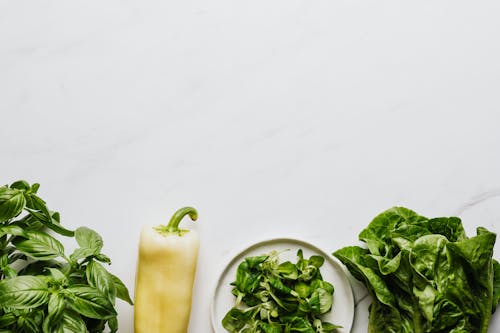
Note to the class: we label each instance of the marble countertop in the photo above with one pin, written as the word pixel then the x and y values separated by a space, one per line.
pixel 278 118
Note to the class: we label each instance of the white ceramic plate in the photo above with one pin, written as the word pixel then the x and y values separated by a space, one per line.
pixel 332 271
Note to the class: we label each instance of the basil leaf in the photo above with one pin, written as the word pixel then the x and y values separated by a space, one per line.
pixel 23 292
pixel 37 267
pixel 20 185
pixel 4 260
pixel 121 290
pixel 29 222
pixel 39 210
pixel 99 278
pixel 7 320
pixel 37 203
pixel 8 271
pixel 57 275
pixel 88 238
pixel 12 202
pixel 39 245
pixel 30 322
pixel 50 222
pixel 113 324
pixel 57 227
pixel 72 323
pixel 56 307
pixel 35 187
pixel 103 258
pixel 48 294
pixel 16 256
pixel 12 230
pixel 90 302
pixel 82 253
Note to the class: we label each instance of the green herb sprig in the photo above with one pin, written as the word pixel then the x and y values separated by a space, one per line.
pixel 41 288
pixel 274 297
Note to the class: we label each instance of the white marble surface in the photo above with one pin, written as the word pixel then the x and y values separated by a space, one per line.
pixel 273 118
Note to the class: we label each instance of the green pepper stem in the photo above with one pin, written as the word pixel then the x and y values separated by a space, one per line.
pixel 173 224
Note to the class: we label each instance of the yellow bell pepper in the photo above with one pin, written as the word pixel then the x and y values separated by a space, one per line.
pixel 165 275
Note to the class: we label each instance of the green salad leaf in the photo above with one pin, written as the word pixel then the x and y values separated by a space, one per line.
pixel 425 275
pixel 12 202
pixel 42 289
pixel 274 297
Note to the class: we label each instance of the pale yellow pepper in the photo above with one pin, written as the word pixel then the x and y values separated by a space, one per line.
pixel 166 270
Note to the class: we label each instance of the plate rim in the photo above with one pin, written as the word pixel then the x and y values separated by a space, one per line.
pixel 232 258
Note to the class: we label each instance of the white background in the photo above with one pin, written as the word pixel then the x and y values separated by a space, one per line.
pixel 273 118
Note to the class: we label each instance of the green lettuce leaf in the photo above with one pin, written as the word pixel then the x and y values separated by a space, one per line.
pixel 425 275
